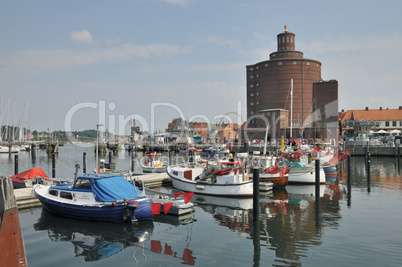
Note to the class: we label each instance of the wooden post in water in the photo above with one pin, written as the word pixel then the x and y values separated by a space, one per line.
pixel 132 161
pixel 368 171
pixel 256 243
pixel 399 157
pixel 15 164
pixel 349 179
pixel 317 181
pixel 53 165
pixel 256 194
pixel 84 162
pixel 33 151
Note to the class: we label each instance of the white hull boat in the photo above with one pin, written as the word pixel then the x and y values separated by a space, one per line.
pixel 305 175
pixel 208 181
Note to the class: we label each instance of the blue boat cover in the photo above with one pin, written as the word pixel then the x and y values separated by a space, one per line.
pixel 116 188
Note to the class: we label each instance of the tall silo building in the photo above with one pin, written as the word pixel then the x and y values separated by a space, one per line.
pixel 269 84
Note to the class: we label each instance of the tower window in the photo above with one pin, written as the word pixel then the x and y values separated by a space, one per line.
pixel 252 94
pixel 252 77
pixel 266 65
pixel 251 85
pixel 308 63
pixel 280 63
pixel 291 39
pixel 287 39
pixel 251 103
pixel 294 62
pixel 251 69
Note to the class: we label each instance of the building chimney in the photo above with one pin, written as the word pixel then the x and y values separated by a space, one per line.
pixel 380 108
pixel 343 111
pixel 400 107
pixel 366 108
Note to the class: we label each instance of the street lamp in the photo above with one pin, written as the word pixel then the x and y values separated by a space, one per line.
pixel 97 147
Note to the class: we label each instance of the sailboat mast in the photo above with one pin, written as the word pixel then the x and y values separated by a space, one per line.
pixel 291 111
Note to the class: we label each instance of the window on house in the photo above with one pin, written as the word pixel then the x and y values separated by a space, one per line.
pixel 252 94
pixel 280 63
pixel 251 69
pixel 394 123
pixel 252 77
pixel 251 103
pixel 266 65
pixel 251 85
pixel 294 62
pixel 387 124
pixel 308 63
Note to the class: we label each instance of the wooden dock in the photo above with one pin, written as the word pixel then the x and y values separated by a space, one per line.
pixel 26 199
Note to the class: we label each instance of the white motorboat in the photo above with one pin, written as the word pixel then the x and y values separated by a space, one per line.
pixel 153 162
pixel 216 180
pixel 304 174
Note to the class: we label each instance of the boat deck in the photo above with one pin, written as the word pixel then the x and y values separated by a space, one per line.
pixel 26 199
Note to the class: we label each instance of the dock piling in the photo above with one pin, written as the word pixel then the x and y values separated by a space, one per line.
pixel 84 162
pixel 317 181
pixel 53 165
pixel 256 194
pixel 15 164
pixel 368 171
pixel 349 180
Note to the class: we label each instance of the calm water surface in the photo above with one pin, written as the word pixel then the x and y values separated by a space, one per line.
pixel 360 230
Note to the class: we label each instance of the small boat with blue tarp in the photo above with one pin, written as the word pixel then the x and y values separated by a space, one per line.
pixel 96 197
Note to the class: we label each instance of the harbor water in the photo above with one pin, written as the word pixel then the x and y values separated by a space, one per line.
pixel 356 228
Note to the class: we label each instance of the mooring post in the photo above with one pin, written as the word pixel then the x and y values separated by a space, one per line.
pixel 15 164
pixel 399 157
pixel 256 243
pixel 110 157
pixel 368 171
pixel 33 151
pixel 256 194
pixel 132 162
pixel 84 162
pixel 317 180
pixel 53 165
pixel 349 179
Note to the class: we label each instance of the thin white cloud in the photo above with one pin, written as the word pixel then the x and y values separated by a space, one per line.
pixel 219 40
pixel 71 58
pixel 82 36
pixel 176 2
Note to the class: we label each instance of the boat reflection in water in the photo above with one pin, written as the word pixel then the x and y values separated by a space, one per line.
pixel 288 222
pixel 100 240
pixel 94 241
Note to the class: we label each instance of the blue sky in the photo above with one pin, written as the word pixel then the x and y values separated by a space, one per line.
pixel 69 59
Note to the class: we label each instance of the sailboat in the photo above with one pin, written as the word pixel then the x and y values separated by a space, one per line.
pixel 301 173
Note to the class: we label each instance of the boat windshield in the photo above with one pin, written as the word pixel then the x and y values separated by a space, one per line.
pixel 82 184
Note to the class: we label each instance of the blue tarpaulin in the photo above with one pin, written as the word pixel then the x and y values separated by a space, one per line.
pixel 111 189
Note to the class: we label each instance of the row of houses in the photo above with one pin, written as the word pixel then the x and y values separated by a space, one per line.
pixel 204 131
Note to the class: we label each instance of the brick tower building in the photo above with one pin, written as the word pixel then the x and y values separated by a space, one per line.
pixel 268 89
